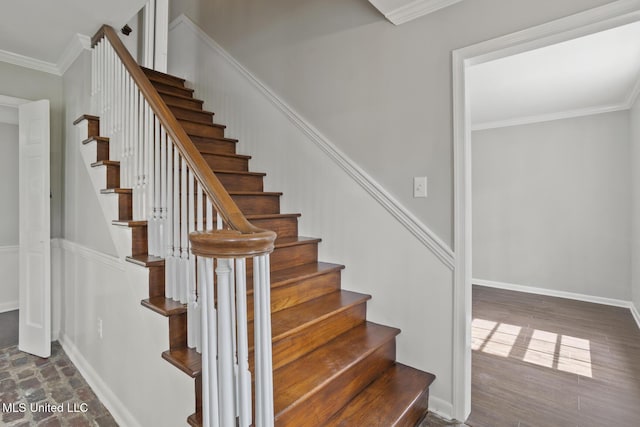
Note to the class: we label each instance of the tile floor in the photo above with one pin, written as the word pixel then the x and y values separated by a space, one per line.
pixel 33 389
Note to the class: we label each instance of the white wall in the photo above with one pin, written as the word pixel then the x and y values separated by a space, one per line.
pixel 634 121
pixel 381 93
pixel 411 288
pixel 9 215
pixel 125 367
pixel 552 205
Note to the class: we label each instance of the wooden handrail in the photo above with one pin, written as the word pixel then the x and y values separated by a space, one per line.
pixel 211 185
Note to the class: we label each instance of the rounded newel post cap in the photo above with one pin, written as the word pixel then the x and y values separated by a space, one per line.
pixel 231 243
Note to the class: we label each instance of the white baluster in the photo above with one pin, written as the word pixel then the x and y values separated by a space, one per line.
pixel 244 376
pixel 225 339
pixel 170 282
pixel 192 320
pixel 176 225
pixel 262 331
pixel 210 407
pixel 183 280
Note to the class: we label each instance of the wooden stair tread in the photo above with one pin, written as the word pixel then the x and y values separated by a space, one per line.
pixel 146 260
pixel 195 420
pixel 116 191
pixel 255 193
pixel 85 117
pixel 295 382
pixel 294 241
pixel 245 173
pixel 215 125
pixel 195 110
pixel 387 401
pixel 299 272
pixel 149 71
pixel 95 138
pixel 188 360
pixel 231 155
pixel 164 306
pixel 105 163
pixel 175 95
pixel 129 223
pixel 290 320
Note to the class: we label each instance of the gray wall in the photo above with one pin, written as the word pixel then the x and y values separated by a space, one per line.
pixel 20 82
pixel 9 184
pixel 381 93
pixel 634 119
pixel 552 205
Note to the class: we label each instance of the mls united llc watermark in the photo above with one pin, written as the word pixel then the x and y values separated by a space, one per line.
pixel 69 407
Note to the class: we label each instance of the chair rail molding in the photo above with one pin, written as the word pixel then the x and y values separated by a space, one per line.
pixel 401 11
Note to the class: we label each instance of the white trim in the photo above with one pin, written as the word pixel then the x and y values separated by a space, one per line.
pixel 92 255
pixel 553 293
pixel 12 248
pixel 599 19
pixel 635 314
pixel 28 62
pixel 109 399
pixel 9 306
pixel 10 101
pixel 441 408
pixel 78 44
pixel 416 9
pixel 394 207
pixel 633 95
pixel 589 111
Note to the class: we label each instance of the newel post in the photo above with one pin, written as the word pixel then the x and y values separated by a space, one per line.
pixel 226 379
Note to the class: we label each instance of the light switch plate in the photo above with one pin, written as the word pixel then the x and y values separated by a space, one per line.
pixel 420 186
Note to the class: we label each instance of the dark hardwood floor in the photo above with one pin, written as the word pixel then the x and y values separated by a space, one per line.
pixel 8 328
pixel 552 362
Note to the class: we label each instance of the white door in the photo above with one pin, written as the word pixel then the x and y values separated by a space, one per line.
pixel 35 242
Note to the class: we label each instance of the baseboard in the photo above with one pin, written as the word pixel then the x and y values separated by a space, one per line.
pixel 561 294
pixel 635 313
pixel 118 410
pixel 8 306
pixel 423 233
pixel 440 407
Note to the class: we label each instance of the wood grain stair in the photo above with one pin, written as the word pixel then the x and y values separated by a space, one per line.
pixel 332 367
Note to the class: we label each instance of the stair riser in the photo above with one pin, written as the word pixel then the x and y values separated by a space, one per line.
pixel 178 90
pixel 181 102
pixel 178 331
pixel 156 281
pixel 305 341
pixel 290 257
pixel 196 116
pixel 163 78
pixel 139 242
pixel 416 412
pixel 284 227
pixel 125 207
pixel 233 182
pixel 227 163
pixel 113 176
pixel 258 204
pixel 213 145
pixel 199 129
pixel 102 150
pixel 320 406
pixel 298 292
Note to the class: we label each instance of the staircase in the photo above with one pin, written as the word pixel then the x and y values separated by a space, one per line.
pixel 331 367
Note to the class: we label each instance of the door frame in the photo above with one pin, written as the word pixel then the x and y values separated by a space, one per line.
pixel 602 18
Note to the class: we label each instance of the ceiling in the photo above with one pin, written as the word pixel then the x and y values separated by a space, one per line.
pixel 39 31
pixel 592 74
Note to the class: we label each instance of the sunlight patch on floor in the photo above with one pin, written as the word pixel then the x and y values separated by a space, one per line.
pixel 549 349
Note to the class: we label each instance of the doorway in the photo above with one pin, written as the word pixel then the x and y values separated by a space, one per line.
pixel 26 224
pixel 600 19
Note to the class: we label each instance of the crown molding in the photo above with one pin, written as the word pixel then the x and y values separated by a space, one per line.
pixel 409 10
pixel 76 46
pixel 568 114
pixel 79 43
pixel 28 62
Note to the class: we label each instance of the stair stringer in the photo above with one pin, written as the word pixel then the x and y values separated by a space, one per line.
pixel 145 339
pixel 121 236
